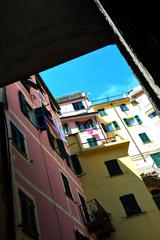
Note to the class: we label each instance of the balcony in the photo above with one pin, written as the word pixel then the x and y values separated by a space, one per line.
pixel 96 219
pixel 101 142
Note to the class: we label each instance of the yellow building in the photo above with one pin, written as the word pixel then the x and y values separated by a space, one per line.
pixel 110 177
pixel 118 204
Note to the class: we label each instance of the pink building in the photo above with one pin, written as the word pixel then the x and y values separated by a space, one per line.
pixel 46 191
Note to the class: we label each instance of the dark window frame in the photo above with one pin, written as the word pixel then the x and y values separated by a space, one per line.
pixel 76 165
pixel 18 139
pixel 113 167
pixel 78 106
pixel 66 128
pixel 144 137
pixel 156 161
pixel 102 112
pixel 67 187
pixel 28 215
pixel 130 205
pixel 92 142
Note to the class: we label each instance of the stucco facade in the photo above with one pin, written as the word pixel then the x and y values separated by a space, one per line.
pixel 138 122
pixel 106 168
pixel 45 189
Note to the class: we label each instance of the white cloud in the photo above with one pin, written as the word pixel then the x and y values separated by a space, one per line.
pixel 119 88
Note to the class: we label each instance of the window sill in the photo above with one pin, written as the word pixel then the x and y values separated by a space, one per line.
pixel 115 175
pixel 20 151
pixel 136 215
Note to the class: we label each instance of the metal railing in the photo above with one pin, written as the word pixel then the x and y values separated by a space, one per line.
pixel 98 142
pixel 92 211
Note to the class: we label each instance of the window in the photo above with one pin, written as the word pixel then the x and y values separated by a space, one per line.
pixel 30 114
pixel 92 142
pixel 156 158
pixel 40 116
pixel 110 128
pixel 102 112
pixel 66 128
pixel 67 186
pixel 85 125
pixel 116 126
pixel 156 197
pixel 78 106
pixel 138 119
pixel 132 121
pixel 36 116
pixel 124 107
pixel 153 114
pixel 62 150
pixel 28 215
pixel 51 139
pixel 113 167
pixel 130 205
pixel 113 126
pixel 144 138
pixel 79 235
pixel 76 164
pixel 18 139
pixel 26 84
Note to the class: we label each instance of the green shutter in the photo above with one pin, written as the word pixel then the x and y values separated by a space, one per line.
pixel 138 119
pixel 92 142
pixel 116 125
pixel 66 128
pixel 80 126
pixel 144 137
pixel 91 123
pixel 156 158
pixel 127 122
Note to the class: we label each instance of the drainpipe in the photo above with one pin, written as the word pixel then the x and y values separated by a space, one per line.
pixel 6 178
pixel 128 132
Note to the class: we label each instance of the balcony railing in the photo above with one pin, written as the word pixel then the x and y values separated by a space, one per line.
pixel 99 142
pixel 96 219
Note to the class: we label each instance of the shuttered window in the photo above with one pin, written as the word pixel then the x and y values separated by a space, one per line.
pixel 117 127
pixel 18 139
pixel 133 121
pixel 80 126
pixel 130 204
pixel 124 107
pixel 28 215
pixel 144 138
pixel 78 106
pixel 67 186
pixel 138 119
pixel 76 164
pixel 102 112
pixel 66 128
pixel 92 142
pixel 156 158
pixel 113 167
pixel 22 103
pixel 40 117
pixel 62 150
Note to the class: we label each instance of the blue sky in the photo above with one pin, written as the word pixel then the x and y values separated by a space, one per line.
pixel 102 73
